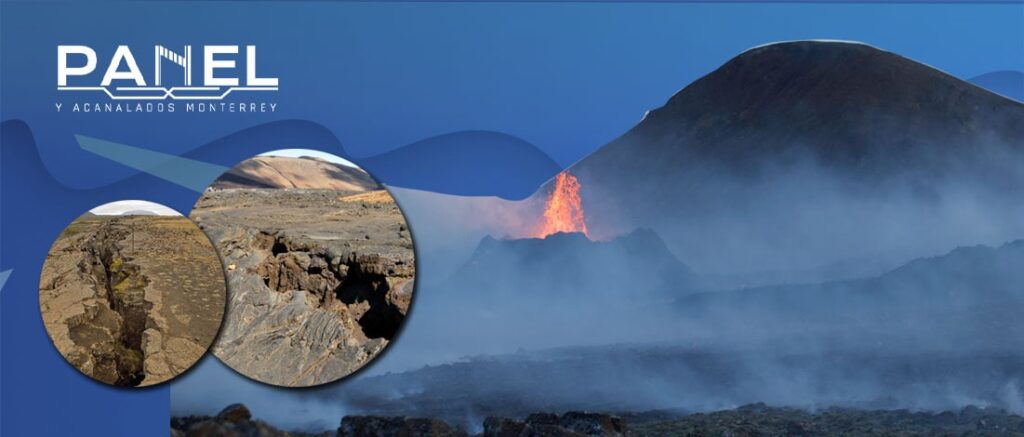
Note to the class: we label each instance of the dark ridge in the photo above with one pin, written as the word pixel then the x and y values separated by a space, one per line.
pixel 570 264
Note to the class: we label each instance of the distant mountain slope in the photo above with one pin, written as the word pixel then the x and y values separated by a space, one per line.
pixel 469 163
pixel 976 272
pixel 799 154
pixel 301 172
pixel 139 212
pixel 633 266
pixel 851 106
pixel 1008 83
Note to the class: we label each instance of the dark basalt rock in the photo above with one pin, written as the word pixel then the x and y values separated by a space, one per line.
pixel 748 420
pixel 356 426
pixel 235 413
pixel 573 423
pixel 759 419
pixel 233 421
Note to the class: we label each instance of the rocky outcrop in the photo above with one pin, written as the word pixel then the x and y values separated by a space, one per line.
pixel 365 286
pixel 573 423
pixel 236 420
pixel 235 413
pixel 357 426
pixel 320 280
pixel 233 421
pixel 748 420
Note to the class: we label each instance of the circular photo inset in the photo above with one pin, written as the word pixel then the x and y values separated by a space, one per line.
pixel 319 261
pixel 132 293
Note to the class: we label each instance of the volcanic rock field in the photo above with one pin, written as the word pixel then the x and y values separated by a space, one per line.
pixel 320 280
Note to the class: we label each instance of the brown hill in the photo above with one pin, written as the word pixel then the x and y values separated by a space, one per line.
pixel 301 172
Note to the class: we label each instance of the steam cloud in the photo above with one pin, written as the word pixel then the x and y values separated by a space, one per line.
pixel 838 323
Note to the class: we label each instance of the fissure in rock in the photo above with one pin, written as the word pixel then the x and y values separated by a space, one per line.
pixel 124 288
pixel 336 282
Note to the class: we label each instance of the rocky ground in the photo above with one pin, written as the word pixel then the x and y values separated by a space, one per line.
pixel 132 300
pixel 759 420
pixel 319 280
pixel 750 420
pixel 236 420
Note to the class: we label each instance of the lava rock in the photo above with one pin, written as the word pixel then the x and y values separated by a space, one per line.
pixel 233 421
pixel 396 427
pixel 235 413
pixel 573 423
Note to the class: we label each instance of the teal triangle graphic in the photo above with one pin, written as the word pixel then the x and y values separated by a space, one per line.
pixel 189 173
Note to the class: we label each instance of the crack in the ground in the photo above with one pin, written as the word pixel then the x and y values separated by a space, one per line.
pixel 124 289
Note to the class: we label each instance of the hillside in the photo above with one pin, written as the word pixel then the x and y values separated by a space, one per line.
pixel 301 172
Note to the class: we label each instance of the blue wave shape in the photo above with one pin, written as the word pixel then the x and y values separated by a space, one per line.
pixel 465 163
pixel 284 134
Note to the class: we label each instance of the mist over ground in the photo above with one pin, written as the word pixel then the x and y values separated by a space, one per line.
pixel 781 231
pixel 931 333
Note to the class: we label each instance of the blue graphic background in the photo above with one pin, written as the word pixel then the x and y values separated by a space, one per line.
pixel 514 82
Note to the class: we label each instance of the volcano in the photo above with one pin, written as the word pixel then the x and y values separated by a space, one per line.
pixel 783 158
pixel 563 211
pixel 865 112
pixel 637 264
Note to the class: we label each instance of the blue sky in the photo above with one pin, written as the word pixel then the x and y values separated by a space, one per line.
pixel 567 77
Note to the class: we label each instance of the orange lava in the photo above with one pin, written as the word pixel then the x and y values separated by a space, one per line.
pixel 563 211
